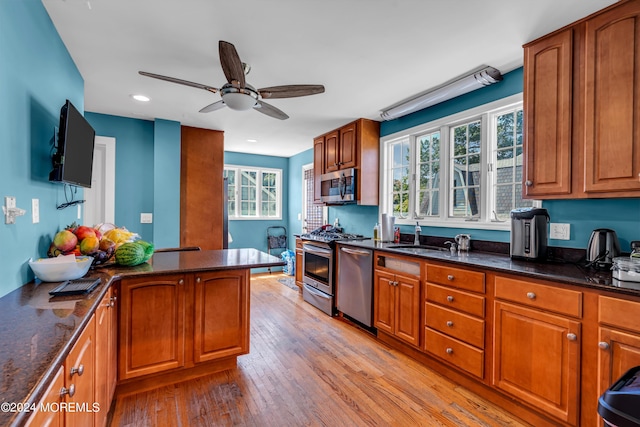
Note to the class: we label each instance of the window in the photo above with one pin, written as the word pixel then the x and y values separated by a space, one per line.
pixel 254 193
pixel 463 170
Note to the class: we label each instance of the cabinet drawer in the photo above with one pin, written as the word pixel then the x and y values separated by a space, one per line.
pixel 550 298
pixel 455 324
pixel 456 277
pixel 462 355
pixel 619 312
pixel 459 300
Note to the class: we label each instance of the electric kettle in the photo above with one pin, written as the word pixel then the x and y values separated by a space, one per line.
pixel 603 247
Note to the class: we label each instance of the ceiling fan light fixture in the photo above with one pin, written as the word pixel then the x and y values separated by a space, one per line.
pixel 239 99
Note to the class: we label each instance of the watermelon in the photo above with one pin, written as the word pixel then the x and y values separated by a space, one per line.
pixel 148 249
pixel 130 254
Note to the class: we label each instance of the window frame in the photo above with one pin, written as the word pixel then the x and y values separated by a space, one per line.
pixel 487 114
pixel 237 170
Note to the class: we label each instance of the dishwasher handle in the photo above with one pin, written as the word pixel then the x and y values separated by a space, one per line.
pixel 356 251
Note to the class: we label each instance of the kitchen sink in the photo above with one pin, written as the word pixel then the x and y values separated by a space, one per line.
pixel 419 247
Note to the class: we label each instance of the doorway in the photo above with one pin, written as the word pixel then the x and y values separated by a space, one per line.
pixel 99 205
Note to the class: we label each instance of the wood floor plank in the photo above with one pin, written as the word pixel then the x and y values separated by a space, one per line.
pixel 308 369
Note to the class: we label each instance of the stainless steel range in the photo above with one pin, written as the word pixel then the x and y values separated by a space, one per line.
pixel 318 261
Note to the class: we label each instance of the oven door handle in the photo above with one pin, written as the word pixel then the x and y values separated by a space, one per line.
pixel 315 292
pixel 316 250
pixel 355 251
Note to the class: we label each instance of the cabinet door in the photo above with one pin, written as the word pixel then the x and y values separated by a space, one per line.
pixel 103 358
pixel 348 147
pixel 152 325
pixel 619 352
pixel 221 326
pixel 318 167
pixel 51 399
pixel 332 152
pixel 298 267
pixel 612 136
pixel 547 109
pixel 79 374
pixel 407 309
pixel 537 359
pixel 384 301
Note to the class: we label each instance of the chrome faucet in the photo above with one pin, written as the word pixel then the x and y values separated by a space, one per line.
pixel 416 239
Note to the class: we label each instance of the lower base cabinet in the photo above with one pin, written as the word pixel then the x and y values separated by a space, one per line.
pixel 51 399
pixel 79 374
pixel 174 322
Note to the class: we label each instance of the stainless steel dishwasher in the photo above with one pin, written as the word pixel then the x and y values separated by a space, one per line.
pixel 355 283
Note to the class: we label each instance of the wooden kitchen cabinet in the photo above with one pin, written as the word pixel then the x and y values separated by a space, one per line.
pixel 454 318
pixel 299 261
pixel 355 145
pixel 397 303
pixel 619 339
pixel 105 355
pixel 582 106
pixel 152 325
pixel 51 399
pixel 536 353
pixel 79 376
pixel 318 167
pixel 221 315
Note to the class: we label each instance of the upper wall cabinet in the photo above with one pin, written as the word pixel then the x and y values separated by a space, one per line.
pixel 355 145
pixel 582 108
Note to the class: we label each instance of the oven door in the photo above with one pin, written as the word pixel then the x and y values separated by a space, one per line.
pixel 317 267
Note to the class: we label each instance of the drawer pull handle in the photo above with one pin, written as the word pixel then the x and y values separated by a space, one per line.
pixel 450 298
pixel 450 277
pixel 571 336
pixel 180 282
pixel 79 370
pixel 197 280
pixel 70 391
pixel 603 345
pixel 449 350
pixel 531 295
pixel 450 323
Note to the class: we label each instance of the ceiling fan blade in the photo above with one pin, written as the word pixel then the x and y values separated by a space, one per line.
pixel 179 81
pixel 231 63
pixel 270 110
pixel 290 91
pixel 213 107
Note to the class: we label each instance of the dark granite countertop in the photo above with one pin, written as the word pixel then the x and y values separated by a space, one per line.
pixel 37 331
pixel 572 273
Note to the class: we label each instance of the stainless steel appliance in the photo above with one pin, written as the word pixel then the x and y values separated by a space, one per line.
pixel 318 262
pixel 355 278
pixel 338 187
pixel 529 233
pixel 603 247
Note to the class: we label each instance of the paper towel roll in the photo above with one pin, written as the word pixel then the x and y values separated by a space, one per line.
pixel 387 224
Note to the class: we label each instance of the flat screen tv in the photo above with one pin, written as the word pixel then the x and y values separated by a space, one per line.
pixel 73 158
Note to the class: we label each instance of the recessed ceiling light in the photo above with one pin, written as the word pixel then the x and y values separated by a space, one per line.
pixel 141 98
pixel 252 140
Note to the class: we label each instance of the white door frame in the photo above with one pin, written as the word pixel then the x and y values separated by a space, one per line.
pixel 102 194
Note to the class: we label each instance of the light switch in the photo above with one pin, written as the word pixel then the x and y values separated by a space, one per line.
pixel 35 211
pixel 146 218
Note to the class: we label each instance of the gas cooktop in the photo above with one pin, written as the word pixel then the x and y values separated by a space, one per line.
pixel 330 234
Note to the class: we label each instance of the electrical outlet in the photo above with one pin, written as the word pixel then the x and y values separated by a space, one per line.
pixel 35 211
pixel 559 231
pixel 146 218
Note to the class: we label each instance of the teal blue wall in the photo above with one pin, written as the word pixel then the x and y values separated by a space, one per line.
pixel 295 183
pixel 249 233
pixel 37 75
pixel 166 184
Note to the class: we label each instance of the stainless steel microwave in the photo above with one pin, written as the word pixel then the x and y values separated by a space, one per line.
pixel 338 187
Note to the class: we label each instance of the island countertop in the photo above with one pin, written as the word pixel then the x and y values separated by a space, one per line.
pixel 37 331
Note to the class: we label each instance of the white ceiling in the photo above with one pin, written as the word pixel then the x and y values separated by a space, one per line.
pixel 368 54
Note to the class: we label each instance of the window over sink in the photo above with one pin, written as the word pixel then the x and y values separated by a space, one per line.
pixel 463 170
pixel 254 193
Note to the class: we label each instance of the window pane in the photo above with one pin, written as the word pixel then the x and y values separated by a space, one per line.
pixel 428 169
pixel 464 183
pixel 230 175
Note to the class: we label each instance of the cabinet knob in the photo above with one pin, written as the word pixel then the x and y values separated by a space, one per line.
pixel 197 280
pixel 181 282
pixel 79 370
pixel 450 323
pixel 603 345
pixel 450 277
pixel 528 183
pixel 531 295
pixel 571 336
pixel 113 301
pixel 70 391
pixel 449 350
pixel 450 298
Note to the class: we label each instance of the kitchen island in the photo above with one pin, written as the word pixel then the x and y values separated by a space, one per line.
pixel 38 332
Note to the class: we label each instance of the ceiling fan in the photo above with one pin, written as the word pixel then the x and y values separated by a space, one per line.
pixel 237 94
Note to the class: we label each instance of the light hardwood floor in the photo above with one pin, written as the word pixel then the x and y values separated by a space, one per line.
pixel 307 369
